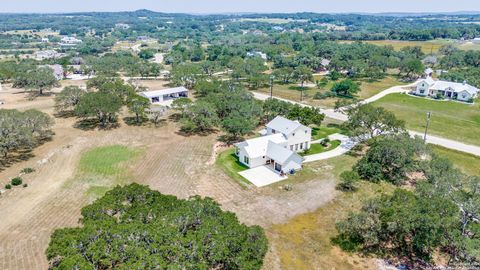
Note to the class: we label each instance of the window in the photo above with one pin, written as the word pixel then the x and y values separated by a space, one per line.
pixel 305 132
pixel 273 131
pixel 296 147
pixel 237 151
pixel 306 145
pixel 301 145
pixel 246 160
pixel 291 147
pixel 293 134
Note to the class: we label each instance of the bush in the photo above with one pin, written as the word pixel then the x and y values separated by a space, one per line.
pixel 325 142
pixel 348 181
pixel 25 185
pixel 8 186
pixel 27 170
pixel 16 181
pixel 320 95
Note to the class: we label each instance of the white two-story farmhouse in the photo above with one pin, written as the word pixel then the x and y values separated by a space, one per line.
pixel 278 147
pixel 448 90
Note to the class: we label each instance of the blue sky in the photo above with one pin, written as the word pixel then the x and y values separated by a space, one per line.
pixel 218 6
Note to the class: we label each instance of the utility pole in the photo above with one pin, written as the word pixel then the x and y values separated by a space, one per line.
pixel 271 85
pixel 429 114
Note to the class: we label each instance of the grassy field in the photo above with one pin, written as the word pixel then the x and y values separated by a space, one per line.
pixel 428 47
pixel 105 167
pixel 317 148
pixel 453 120
pixel 305 241
pixel 469 164
pixel 228 161
pixel 323 132
pixel 292 91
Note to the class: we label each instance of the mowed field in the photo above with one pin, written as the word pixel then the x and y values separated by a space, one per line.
pixel 452 120
pixel 292 91
pixel 78 166
pixel 428 47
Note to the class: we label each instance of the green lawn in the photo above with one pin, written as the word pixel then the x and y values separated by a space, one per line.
pixel 323 132
pixel 228 161
pixel 452 120
pixel 317 148
pixel 469 164
pixel 292 91
pixel 105 167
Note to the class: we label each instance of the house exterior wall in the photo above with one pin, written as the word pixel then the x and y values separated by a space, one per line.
pixel 422 89
pixel 464 96
pixel 253 162
pixel 291 165
pixel 300 139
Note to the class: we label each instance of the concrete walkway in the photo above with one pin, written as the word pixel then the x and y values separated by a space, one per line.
pixel 262 176
pixel 447 143
pixel 346 144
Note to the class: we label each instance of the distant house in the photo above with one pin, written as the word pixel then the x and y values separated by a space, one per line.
pixel 165 96
pixel 143 38
pixel 47 54
pixel 428 72
pixel 45 40
pixel 444 89
pixel 123 26
pixel 257 54
pixel 69 41
pixel 476 40
pixel 278 147
pixel 278 28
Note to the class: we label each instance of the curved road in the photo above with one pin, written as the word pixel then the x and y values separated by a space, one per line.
pixel 447 143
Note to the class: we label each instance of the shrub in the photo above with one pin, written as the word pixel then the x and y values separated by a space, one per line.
pixel 325 142
pixel 8 186
pixel 16 181
pixel 27 170
pixel 320 95
pixel 348 181
pixel 25 185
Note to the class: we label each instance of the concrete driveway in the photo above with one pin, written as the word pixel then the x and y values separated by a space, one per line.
pixel 262 176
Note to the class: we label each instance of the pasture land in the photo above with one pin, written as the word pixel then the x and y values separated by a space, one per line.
pixel 292 91
pixel 304 242
pixel 77 166
pixel 469 164
pixel 449 119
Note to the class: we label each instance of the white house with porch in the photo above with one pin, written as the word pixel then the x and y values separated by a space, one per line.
pixel 165 96
pixel 449 90
pixel 277 148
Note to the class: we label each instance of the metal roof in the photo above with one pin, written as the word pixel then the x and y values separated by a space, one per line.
pixel 283 125
pixel 168 91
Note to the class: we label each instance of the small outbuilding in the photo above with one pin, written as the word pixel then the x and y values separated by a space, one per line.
pixel 165 96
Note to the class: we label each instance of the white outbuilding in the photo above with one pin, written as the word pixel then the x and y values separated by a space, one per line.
pixel 165 96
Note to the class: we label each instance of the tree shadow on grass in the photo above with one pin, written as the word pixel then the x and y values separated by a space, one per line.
pixel 132 121
pixel 15 157
pixel 64 114
pixel 91 124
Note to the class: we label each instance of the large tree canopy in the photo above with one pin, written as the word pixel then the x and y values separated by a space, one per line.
pixel 134 227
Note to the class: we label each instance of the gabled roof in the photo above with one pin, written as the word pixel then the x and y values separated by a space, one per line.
pixel 156 93
pixel 281 154
pixel 283 125
pixel 429 80
pixel 456 87
pixel 257 147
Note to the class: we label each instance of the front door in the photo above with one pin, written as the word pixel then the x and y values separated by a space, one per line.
pixel 278 167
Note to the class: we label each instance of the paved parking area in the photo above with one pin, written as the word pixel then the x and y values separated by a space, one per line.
pixel 262 176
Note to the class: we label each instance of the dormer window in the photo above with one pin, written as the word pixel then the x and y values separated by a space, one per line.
pixel 293 134
pixel 273 131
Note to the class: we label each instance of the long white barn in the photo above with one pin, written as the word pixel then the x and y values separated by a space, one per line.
pixel 165 96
